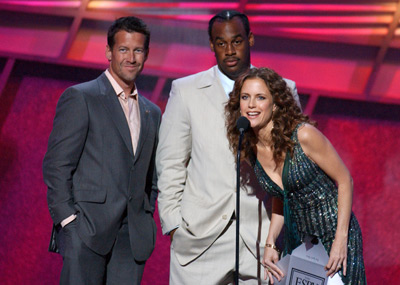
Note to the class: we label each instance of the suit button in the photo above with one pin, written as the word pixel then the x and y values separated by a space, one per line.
pixel 130 198
pixel 224 217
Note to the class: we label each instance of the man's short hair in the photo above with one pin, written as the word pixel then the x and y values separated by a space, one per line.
pixel 129 24
pixel 227 15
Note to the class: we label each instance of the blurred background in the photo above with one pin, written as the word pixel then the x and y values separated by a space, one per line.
pixel 343 55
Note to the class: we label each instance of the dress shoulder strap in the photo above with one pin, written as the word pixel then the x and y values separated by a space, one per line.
pixel 294 133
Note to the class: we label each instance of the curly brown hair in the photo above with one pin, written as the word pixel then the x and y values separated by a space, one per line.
pixel 286 116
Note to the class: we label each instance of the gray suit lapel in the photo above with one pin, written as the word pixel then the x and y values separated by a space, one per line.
pixel 111 103
pixel 144 121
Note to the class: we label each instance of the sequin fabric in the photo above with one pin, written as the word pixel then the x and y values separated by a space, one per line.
pixel 310 208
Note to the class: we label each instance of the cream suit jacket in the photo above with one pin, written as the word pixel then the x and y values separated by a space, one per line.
pixel 197 172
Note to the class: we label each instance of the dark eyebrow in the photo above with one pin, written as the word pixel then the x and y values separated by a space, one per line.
pixel 238 36
pixel 234 37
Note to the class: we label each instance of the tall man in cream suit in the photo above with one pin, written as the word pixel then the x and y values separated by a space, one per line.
pixel 196 169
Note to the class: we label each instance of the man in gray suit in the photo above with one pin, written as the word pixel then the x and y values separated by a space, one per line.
pixel 196 169
pixel 100 167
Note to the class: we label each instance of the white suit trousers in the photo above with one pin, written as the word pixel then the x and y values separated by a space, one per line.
pixel 216 265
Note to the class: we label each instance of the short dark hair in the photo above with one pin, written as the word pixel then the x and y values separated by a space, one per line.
pixel 227 15
pixel 128 24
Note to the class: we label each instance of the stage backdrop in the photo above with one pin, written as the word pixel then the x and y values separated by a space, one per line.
pixel 366 135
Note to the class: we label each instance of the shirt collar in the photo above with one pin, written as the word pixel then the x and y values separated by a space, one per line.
pixel 117 88
pixel 226 82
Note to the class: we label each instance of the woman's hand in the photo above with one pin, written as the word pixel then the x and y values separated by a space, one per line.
pixel 337 257
pixel 271 257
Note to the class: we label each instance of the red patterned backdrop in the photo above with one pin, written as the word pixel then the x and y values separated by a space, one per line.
pixel 367 136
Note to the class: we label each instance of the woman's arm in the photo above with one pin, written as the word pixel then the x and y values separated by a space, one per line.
pixel 271 254
pixel 318 148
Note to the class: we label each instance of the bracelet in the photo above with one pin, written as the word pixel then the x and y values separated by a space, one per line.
pixel 273 247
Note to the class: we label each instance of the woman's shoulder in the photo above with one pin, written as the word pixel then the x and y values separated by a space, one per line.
pixel 306 131
pixel 309 137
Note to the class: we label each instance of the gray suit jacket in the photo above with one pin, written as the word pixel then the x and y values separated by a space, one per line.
pixel 197 171
pixel 90 168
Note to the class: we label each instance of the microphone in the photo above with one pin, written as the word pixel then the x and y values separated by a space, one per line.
pixel 242 124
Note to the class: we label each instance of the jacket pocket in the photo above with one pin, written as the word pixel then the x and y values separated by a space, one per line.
pixel 89 195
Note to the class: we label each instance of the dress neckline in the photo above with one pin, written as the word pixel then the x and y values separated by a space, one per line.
pixel 285 169
pixel 283 175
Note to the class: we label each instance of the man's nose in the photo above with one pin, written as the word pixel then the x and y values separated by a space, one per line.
pixel 131 56
pixel 230 49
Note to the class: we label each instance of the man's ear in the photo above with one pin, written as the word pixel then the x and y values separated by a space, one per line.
pixel 211 45
pixel 146 55
pixel 108 53
pixel 251 39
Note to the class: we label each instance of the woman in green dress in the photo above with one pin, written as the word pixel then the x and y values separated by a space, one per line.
pixel 295 163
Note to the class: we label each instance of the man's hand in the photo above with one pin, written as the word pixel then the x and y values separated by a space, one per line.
pixel 171 234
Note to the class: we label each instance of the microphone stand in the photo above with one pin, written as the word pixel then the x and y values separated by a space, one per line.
pixel 241 130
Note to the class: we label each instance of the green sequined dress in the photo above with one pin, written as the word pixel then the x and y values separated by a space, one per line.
pixel 310 208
